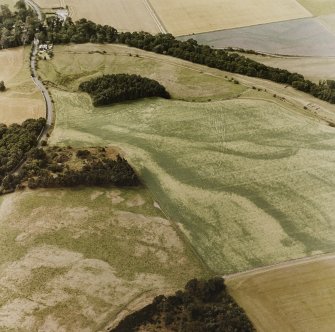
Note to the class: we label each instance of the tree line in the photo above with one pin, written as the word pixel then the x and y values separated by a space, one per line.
pixel 19 28
pixel 204 306
pixel 109 89
pixel 84 31
pixel 15 142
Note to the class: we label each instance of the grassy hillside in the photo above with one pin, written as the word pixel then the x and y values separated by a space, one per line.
pixel 94 254
pixel 250 181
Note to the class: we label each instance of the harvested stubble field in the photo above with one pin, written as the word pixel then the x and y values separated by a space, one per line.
pixel 298 296
pixel 313 68
pixel 124 15
pixel 92 255
pixel 304 37
pixel 196 16
pixel 22 99
pixel 319 7
pixel 49 3
pixel 250 181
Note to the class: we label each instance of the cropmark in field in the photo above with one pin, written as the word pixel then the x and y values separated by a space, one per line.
pixel 249 181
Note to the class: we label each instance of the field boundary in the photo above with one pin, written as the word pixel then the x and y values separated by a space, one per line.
pixel 246 26
pixel 155 16
pixel 281 265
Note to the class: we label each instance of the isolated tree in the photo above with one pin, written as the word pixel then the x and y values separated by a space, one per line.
pixel 2 86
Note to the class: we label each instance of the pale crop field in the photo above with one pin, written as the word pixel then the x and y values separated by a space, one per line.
pixel 303 37
pixel 298 297
pixel 124 15
pixel 313 68
pixel 50 3
pixel 22 99
pixel 79 259
pixel 197 16
pixel 249 181
pixel 319 7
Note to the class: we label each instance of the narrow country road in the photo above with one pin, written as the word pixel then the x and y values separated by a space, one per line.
pixel 38 82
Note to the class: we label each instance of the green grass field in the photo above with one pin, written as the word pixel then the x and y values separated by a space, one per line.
pixel 249 181
pixel 88 256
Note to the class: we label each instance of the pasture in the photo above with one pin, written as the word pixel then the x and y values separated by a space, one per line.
pixel 197 16
pixel 248 180
pixel 21 100
pixel 75 63
pixel 298 296
pixel 93 255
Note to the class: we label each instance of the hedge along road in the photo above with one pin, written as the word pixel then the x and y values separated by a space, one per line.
pixel 38 83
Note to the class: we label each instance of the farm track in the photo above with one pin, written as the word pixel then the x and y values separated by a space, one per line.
pixel 155 17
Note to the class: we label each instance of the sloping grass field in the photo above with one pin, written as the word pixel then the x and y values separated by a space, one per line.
pixel 22 99
pixel 294 297
pixel 196 16
pixel 76 260
pixel 249 181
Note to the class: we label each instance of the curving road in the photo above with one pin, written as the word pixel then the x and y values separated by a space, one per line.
pixel 38 82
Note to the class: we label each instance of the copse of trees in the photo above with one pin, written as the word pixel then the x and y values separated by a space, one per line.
pixel 15 143
pixel 109 89
pixel 63 167
pixel 204 306
pixel 19 27
pixel 102 173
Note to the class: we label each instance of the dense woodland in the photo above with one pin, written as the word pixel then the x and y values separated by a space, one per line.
pixel 109 89
pixel 66 167
pixel 15 143
pixel 204 306
pixel 19 27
